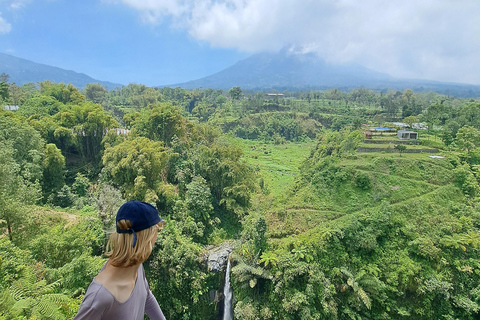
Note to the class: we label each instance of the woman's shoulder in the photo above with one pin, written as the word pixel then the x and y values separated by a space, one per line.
pixel 97 296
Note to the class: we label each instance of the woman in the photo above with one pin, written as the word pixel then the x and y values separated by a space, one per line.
pixel 120 290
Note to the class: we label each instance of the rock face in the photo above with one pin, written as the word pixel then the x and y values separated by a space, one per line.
pixel 217 257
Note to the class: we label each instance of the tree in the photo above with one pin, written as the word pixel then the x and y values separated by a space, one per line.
pixel 16 94
pixel 136 166
pixel 400 148
pixel 15 191
pixel 4 94
pixel 467 138
pixel 28 147
pixel 96 93
pixel 89 123
pixel 389 102
pixel 53 173
pixel 235 93
pixel 62 92
pixel 199 199
pixel 229 177
pixel 161 122
pixel 410 120
pixel 358 290
pixel 269 257
pixel 41 106
pixel 175 276
pixel 108 202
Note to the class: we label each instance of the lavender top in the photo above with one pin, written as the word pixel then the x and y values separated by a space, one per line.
pixel 99 303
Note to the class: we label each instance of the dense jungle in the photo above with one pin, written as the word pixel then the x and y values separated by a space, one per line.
pixel 318 229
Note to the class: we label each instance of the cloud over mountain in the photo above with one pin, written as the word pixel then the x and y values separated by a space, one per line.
pixel 435 39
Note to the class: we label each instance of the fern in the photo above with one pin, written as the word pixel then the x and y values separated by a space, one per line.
pixel 35 297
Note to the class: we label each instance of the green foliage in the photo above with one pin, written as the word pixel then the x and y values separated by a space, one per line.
pixel 275 126
pixel 467 138
pixel 176 280
pixel 27 145
pixel 136 166
pixel 161 122
pixel 96 93
pixel 12 261
pixel 400 147
pixel 362 180
pixel 268 258
pixel 108 202
pixel 198 199
pixel 62 92
pixel 33 297
pixel 77 274
pixel 40 106
pixel 15 191
pixel 53 172
pixel 343 235
pixel 89 123
pixel 59 245
pixel 235 93
pixel 465 180
pixel 230 179
pixel 81 185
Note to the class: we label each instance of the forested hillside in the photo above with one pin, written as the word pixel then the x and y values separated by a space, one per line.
pixel 319 230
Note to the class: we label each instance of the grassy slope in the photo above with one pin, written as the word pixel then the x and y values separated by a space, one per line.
pixel 404 180
pixel 278 165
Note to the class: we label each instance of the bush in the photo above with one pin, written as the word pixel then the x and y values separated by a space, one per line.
pixel 362 180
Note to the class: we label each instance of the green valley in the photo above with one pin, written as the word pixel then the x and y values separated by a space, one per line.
pixel 321 226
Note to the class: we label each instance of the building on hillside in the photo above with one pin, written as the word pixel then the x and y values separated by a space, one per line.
pixel 407 135
pixel 274 96
pixel 120 131
pixel 417 125
pixel 10 108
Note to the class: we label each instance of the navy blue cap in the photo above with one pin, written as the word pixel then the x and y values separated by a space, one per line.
pixel 142 215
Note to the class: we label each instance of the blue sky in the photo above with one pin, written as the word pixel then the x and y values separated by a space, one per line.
pixel 156 42
pixel 109 42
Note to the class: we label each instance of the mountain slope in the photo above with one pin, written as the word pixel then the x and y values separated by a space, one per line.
pixel 22 71
pixel 291 71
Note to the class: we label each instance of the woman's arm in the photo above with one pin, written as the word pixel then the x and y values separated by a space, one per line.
pixel 152 309
pixel 88 313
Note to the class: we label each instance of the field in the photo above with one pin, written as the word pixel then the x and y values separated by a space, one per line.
pixel 293 209
pixel 277 165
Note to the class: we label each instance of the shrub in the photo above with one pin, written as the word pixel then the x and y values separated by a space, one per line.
pixel 362 180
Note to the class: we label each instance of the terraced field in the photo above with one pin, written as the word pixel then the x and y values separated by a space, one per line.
pixel 295 207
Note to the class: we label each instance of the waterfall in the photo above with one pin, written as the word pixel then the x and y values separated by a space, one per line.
pixel 228 294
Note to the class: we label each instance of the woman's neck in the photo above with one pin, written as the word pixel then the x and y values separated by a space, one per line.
pixel 119 281
pixel 127 273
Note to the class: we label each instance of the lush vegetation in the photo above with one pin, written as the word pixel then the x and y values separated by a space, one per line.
pixel 321 231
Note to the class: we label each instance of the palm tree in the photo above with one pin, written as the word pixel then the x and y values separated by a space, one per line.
pixel 268 257
pixel 360 289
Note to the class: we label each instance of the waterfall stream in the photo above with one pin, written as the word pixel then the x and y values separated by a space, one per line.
pixel 228 295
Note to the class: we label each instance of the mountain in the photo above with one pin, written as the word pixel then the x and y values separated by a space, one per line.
pixel 293 71
pixel 23 71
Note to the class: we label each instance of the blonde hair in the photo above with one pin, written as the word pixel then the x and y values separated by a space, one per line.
pixel 120 248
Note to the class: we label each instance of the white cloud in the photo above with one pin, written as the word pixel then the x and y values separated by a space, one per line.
pixel 5 27
pixel 436 39
pixel 17 4
pixel 10 5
